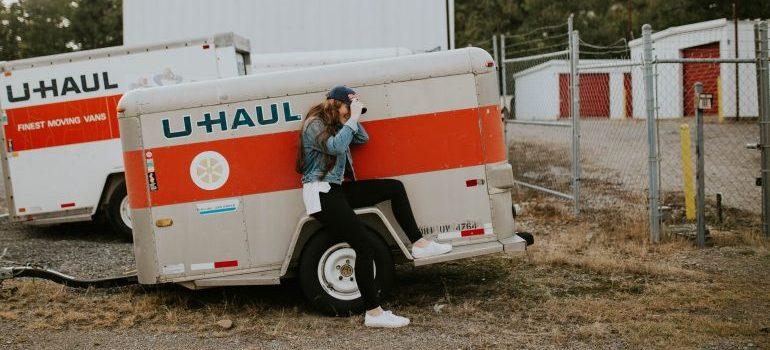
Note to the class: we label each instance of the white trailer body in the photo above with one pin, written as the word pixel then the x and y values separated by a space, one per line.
pixel 287 26
pixel 61 153
pixel 216 201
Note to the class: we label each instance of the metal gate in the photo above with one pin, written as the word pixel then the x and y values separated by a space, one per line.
pixel 546 144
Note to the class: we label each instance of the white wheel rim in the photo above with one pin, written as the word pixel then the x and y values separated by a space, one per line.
pixel 125 212
pixel 336 272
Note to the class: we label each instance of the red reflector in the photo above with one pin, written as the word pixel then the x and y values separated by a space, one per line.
pixel 67 205
pixel 206 46
pixel 472 232
pixel 230 263
pixel 470 183
pixel 490 63
pixel 21 210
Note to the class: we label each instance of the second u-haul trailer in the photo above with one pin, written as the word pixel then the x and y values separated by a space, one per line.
pixel 61 156
pixel 216 200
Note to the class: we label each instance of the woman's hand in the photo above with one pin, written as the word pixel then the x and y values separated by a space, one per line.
pixel 355 109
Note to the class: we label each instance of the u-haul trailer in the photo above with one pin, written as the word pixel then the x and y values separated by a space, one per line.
pixel 61 157
pixel 216 201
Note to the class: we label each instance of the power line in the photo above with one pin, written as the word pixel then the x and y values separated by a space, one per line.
pixel 520 43
pixel 610 46
pixel 536 49
pixel 536 30
pixel 608 52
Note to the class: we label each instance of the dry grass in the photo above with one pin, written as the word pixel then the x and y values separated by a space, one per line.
pixel 589 282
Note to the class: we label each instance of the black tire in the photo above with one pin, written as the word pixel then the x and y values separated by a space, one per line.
pixel 310 282
pixel 113 211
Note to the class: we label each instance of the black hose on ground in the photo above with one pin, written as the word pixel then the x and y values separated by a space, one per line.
pixel 69 281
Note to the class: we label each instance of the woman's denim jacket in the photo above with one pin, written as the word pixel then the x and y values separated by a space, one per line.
pixel 337 145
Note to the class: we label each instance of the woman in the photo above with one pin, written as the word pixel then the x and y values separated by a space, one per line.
pixel 331 193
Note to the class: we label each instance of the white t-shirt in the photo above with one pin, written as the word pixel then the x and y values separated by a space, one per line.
pixel 310 194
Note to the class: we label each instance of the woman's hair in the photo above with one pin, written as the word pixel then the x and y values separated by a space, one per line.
pixel 328 112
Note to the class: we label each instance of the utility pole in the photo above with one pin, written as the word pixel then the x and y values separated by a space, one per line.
pixel 629 25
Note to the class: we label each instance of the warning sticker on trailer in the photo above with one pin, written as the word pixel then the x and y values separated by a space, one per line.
pixel 152 180
pixel 218 207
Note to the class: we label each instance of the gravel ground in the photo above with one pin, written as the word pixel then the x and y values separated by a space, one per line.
pixel 87 250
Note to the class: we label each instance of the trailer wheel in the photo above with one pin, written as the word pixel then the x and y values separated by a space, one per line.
pixel 327 278
pixel 119 212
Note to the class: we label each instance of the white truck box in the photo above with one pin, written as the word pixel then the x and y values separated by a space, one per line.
pixel 216 201
pixel 61 156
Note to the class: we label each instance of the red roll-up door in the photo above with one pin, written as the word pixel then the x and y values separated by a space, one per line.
pixel 629 97
pixel 706 73
pixel 594 95
pixel 564 101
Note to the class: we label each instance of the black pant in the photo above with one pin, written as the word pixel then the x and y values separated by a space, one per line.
pixel 337 215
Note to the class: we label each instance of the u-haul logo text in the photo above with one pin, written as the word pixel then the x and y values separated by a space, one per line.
pixel 60 87
pixel 223 121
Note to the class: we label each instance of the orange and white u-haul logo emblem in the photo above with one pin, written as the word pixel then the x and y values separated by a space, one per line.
pixel 209 170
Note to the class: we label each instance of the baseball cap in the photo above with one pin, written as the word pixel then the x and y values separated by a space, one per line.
pixel 340 93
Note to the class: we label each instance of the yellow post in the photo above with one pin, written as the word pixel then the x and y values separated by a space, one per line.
pixel 719 100
pixel 689 187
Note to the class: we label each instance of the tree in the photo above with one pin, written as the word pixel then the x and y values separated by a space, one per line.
pixel 33 28
pixel 97 23
pixel 44 27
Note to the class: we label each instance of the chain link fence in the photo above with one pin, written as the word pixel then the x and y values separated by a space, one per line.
pixel 604 124
pixel 733 199
pixel 536 66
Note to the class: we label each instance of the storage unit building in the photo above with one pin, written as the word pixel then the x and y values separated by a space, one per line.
pixel 542 92
pixel 287 26
pixel 710 39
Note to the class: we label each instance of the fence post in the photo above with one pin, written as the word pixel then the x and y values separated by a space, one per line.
pixel 763 81
pixel 652 139
pixel 502 64
pixel 699 173
pixel 496 57
pixel 575 113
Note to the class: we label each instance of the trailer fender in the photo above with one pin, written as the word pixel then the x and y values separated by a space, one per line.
pixel 307 226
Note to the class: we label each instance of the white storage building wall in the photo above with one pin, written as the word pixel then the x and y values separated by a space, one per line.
pixel 285 26
pixel 270 62
pixel 537 94
pixel 670 42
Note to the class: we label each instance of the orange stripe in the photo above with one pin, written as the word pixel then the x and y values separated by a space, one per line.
pixel 494 136
pixel 136 179
pixel 42 126
pixel 265 163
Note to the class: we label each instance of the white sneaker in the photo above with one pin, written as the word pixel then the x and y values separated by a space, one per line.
pixel 385 320
pixel 431 249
